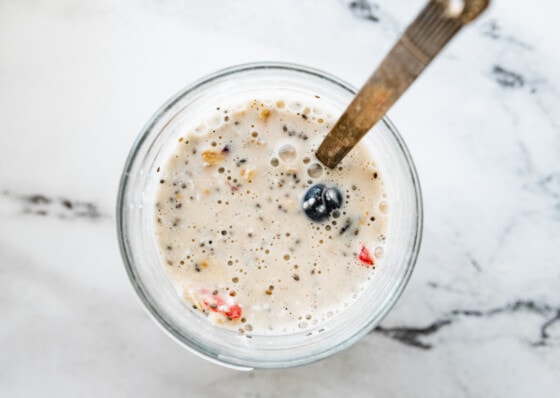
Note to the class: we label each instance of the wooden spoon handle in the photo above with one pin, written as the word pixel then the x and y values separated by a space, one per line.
pixel 419 44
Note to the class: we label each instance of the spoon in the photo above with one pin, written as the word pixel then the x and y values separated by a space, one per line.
pixel 424 38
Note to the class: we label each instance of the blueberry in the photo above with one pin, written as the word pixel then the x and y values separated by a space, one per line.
pixel 319 201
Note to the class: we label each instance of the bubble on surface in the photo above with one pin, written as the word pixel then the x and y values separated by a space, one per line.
pixel 214 121
pixel 287 153
pixel 294 106
pixel 315 170
pixel 317 111
pixel 383 207
pixel 239 107
pixel 201 129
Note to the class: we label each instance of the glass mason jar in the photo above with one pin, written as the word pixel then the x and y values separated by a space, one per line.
pixel 135 218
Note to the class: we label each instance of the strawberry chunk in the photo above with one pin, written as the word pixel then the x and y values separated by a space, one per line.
pixel 217 304
pixel 234 311
pixel 365 257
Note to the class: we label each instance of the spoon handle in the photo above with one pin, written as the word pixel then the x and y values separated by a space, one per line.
pixel 424 38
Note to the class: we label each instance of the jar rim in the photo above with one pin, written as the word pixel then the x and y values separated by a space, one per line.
pixel 142 140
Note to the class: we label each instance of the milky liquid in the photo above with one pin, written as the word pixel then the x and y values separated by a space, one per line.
pixel 232 234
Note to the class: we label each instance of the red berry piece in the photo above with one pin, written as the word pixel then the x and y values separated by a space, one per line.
pixel 217 303
pixel 234 311
pixel 365 257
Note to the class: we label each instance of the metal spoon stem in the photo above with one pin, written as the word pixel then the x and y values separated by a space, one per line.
pixel 432 29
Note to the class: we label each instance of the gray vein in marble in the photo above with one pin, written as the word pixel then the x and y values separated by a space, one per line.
pixel 507 78
pixel 550 185
pixel 544 329
pixel 527 166
pixel 413 336
pixel 548 101
pixel 364 9
pixel 474 262
pixel 524 75
pixel 371 11
pixel 447 288
pixel 60 207
pixel 547 184
pixel 493 30
pixel 542 91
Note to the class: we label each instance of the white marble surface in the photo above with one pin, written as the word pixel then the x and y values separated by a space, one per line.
pixel 481 315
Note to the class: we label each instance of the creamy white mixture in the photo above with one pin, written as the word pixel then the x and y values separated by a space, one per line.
pixel 233 236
